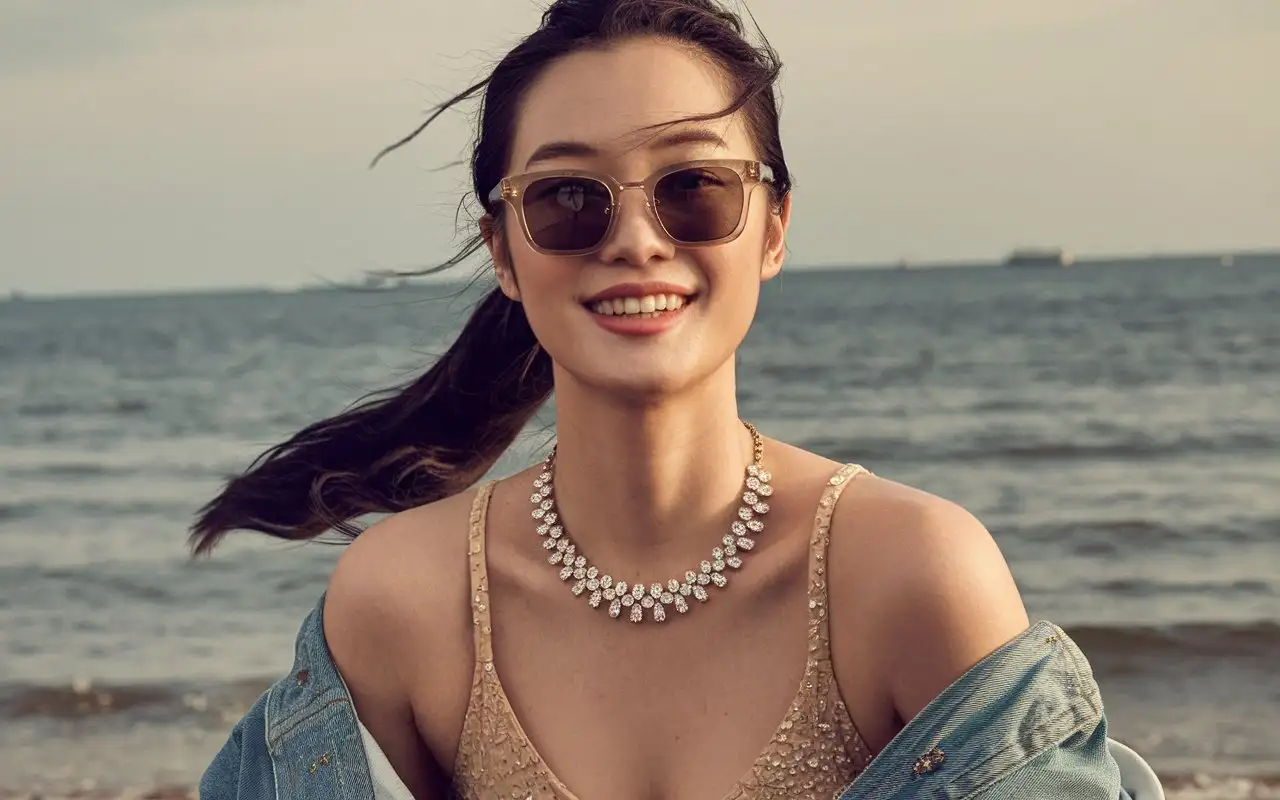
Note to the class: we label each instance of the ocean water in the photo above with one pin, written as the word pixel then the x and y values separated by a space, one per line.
pixel 1116 426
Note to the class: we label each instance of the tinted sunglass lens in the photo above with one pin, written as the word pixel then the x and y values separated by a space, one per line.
pixel 567 213
pixel 700 204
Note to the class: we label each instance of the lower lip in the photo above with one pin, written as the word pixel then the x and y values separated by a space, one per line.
pixel 635 325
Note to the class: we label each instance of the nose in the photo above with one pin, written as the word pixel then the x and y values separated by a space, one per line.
pixel 637 237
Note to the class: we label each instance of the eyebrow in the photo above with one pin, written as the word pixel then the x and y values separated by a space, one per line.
pixel 574 149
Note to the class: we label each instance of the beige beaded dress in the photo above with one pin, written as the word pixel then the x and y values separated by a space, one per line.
pixel 814 753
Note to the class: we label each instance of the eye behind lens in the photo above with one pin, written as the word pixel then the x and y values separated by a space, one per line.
pixel 567 213
pixel 700 204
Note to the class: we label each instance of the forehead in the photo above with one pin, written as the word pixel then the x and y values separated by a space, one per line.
pixel 608 98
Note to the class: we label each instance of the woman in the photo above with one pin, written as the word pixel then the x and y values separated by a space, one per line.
pixel 671 605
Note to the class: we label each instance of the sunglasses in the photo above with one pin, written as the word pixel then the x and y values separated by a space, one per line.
pixel 571 212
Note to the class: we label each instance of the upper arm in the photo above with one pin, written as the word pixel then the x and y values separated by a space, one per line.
pixel 960 605
pixel 390 634
pixel 920 591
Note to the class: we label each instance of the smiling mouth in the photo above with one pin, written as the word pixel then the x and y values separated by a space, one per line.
pixel 643 307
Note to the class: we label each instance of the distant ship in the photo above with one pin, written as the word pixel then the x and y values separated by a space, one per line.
pixel 372 282
pixel 1040 257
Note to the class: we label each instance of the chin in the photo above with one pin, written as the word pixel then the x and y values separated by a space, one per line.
pixel 635 382
pixel 635 388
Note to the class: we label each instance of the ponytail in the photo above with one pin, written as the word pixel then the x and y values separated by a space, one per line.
pixel 426 441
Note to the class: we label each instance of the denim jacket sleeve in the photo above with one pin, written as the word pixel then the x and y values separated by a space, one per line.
pixel 300 741
pixel 1025 722
pixel 242 768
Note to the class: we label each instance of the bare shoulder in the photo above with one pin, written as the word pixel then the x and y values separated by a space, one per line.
pixel 405 575
pixel 920 591
pixel 398 624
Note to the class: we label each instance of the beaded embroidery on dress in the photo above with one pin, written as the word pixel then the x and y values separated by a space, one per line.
pixel 815 751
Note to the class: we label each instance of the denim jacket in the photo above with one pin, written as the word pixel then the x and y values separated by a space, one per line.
pixel 1026 722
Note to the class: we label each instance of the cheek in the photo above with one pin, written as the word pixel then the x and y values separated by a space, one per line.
pixel 546 285
pixel 523 262
pixel 741 262
pixel 734 278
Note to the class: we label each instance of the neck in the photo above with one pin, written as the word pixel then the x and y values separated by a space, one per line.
pixel 649 485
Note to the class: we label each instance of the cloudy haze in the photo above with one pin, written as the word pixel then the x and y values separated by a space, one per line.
pixel 155 144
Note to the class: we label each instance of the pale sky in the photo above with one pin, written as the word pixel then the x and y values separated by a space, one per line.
pixel 171 144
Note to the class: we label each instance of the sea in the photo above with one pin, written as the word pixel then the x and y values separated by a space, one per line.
pixel 1116 425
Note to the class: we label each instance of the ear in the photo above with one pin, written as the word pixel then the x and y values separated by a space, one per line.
pixel 775 241
pixel 500 252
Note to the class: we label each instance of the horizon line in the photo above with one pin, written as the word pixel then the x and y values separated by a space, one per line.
pixel 353 285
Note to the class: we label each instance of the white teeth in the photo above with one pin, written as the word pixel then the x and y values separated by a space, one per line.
pixel 649 304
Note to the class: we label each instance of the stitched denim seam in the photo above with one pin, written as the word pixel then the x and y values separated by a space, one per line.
pixel 299 719
pixel 266 736
pixel 1080 724
pixel 1084 678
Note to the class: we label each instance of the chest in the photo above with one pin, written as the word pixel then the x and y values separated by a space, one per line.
pixel 683 709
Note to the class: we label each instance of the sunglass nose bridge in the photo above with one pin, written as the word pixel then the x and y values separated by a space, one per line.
pixel 622 187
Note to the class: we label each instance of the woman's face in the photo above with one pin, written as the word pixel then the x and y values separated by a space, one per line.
pixel 592 111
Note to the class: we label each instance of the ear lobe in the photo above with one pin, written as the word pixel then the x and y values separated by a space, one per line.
pixel 500 254
pixel 775 243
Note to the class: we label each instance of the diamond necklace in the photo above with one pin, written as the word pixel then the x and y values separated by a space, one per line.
pixel 601 588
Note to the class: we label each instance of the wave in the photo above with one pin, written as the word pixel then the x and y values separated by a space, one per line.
pixel 1202 786
pixel 157 702
pixel 95 510
pixel 1124 536
pixel 1235 640
pixel 1137 587
pixel 122 508
pixel 1011 446
pixel 12 512
pixel 120 407
pixel 70 470
pixel 1122 447
pixel 1127 530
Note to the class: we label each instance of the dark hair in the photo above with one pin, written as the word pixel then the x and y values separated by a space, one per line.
pixel 441 433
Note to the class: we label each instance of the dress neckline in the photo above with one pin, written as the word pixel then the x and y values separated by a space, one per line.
pixel 817 664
